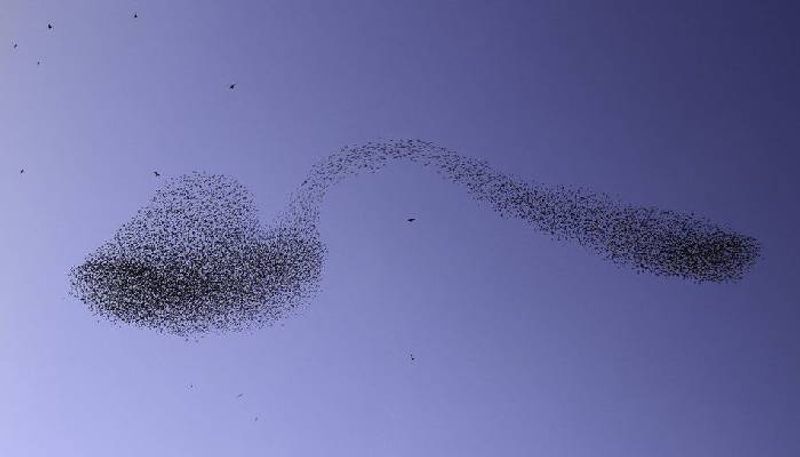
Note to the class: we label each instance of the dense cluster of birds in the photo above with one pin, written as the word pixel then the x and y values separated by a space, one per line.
pixel 196 258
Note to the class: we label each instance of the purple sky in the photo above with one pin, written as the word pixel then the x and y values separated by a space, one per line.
pixel 523 346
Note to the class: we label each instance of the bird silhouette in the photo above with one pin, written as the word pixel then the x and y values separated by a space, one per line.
pixel 412 357
pixel 21 170
pixel 157 174
pixel 38 62
pixel 49 26
pixel 411 219
pixel 135 15
pixel 256 419
pixel 239 396
pixel 15 45
pixel 232 86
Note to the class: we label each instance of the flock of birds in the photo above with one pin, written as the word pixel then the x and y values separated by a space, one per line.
pixel 159 291
pixel 196 258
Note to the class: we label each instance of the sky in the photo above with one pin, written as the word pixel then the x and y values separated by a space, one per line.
pixel 522 345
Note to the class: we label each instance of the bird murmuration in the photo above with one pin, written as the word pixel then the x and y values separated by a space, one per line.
pixel 196 259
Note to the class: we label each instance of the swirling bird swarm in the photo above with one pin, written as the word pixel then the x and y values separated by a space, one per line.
pixel 196 259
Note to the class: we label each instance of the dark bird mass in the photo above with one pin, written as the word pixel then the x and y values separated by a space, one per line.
pixel 156 174
pixel 232 86
pixel 411 219
pixel 49 26
pixel 196 259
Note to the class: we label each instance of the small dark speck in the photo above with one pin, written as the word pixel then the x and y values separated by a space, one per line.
pixel 15 45
pixel 239 396
pixel 49 26
pixel 411 219
pixel 232 86
pixel 135 15
pixel 157 174
pixel 21 170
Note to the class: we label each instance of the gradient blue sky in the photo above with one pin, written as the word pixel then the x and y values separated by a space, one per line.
pixel 524 346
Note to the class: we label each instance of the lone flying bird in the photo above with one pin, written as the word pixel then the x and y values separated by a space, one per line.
pixel 239 396
pixel 232 86
pixel 412 357
pixel 411 219
pixel 157 174
pixel 49 26
pixel 135 15
pixel 21 170
pixel 15 45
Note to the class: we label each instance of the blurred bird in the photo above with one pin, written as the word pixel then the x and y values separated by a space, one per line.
pixel 49 26
pixel 232 86
pixel 15 45
pixel 412 357
pixel 21 170
pixel 135 15
pixel 239 396
pixel 411 219
pixel 157 174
